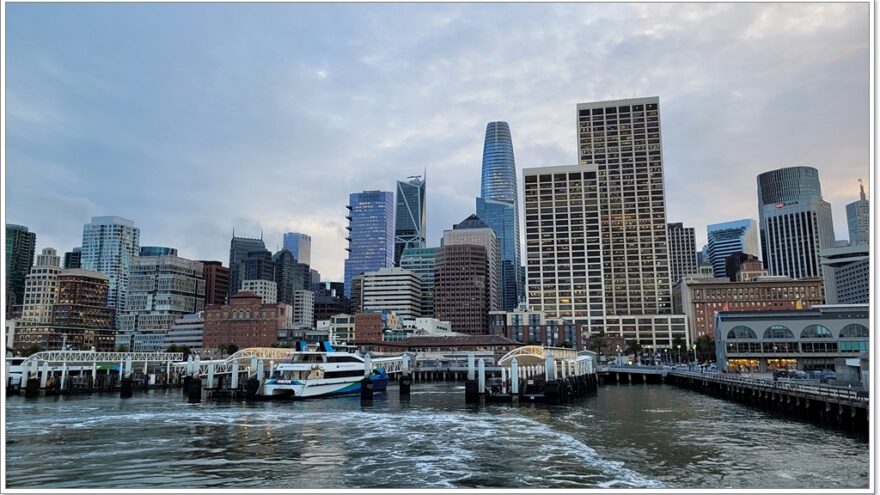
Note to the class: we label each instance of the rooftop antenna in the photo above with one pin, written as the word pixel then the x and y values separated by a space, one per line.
pixel 861 189
pixel 261 234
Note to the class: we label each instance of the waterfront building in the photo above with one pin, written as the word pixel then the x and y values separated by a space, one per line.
pixel 41 289
pixel 368 327
pixel 300 245
pixel 246 322
pixel 738 236
pixel 700 299
pixel 73 258
pixel 392 290
pixel 357 300
pixel 742 266
pixel 239 248
pixel 342 329
pixel 216 281
pixel 267 290
pixel 161 289
pixel 303 308
pixel 530 327
pixel 158 251
pixel 109 245
pixel 80 318
pixel 472 230
pixel 410 220
pixel 496 345
pixel 795 222
pixel 858 218
pixel 422 261
pixel 682 251
pixel 461 287
pixel 20 247
pixel 187 331
pixel 596 233
pixel 371 234
pixel 823 337
pixel 849 273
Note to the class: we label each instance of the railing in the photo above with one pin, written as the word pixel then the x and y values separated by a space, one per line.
pixel 818 390
pixel 101 357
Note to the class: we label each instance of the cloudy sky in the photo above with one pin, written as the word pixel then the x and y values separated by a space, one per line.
pixel 194 119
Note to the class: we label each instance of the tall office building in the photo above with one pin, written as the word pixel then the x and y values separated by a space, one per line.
pixel 682 251
pixel 738 236
pixel 472 230
pixel 393 290
pixel 849 270
pixel 371 234
pixel 239 248
pixel 290 275
pixel 161 290
pixel 303 309
pixel 498 207
pixel 73 258
pixel 109 245
pixel 216 281
pixel 422 261
pixel 410 217
pixel 795 222
pixel 20 247
pixel 300 245
pixel 41 288
pixel 858 218
pixel 596 234
pixel 461 288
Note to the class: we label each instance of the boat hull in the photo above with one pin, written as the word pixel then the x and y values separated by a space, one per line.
pixel 313 389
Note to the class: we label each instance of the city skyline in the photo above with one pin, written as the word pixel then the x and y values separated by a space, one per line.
pixel 89 126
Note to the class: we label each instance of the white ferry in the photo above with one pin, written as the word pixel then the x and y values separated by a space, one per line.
pixel 322 373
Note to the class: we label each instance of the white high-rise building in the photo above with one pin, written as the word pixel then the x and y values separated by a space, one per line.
pixel 596 234
pixel 303 308
pixel 682 251
pixel 266 289
pixel 109 245
pixel 393 290
pixel 472 230
pixel 41 288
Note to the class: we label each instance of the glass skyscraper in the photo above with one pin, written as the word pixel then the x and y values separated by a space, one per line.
pixel 109 245
pixel 299 245
pixel 409 228
pixel 498 206
pixel 371 234
pixel 239 248
pixel 422 261
pixel 858 218
pixel 737 236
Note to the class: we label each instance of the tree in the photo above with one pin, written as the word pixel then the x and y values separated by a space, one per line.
pixel 598 341
pixel 179 348
pixel 122 348
pixel 706 346
pixel 633 347
pixel 32 349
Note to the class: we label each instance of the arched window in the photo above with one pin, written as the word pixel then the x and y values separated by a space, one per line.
pixel 741 332
pixel 778 332
pixel 854 331
pixel 816 332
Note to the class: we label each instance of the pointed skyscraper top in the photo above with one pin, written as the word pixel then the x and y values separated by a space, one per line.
pixel 862 191
pixel 471 222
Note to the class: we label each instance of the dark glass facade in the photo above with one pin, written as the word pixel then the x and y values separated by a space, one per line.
pixel 371 234
pixel 20 246
pixel 410 221
pixel 239 248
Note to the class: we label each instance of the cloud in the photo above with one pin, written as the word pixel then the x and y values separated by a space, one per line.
pixel 195 119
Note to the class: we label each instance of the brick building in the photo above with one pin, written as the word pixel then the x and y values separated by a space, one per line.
pixel 216 282
pixel 368 326
pixel 245 322
pixel 461 288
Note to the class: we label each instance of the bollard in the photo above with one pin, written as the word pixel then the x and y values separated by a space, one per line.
pixel 186 380
pixel 470 373
pixel 251 388
pixel 504 381
pixel 481 383
pixel 210 384
pixel 549 372
pixel 471 392
pixel 125 388
pixel 195 391
pixel 32 388
pixel 405 383
pixel 367 391
pixel 44 376
pixel 64 377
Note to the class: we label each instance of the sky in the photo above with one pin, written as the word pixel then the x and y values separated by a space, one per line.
pixel 197 119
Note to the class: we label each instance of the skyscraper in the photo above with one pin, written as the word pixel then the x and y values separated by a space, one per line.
pixel 410 218
pixel 858 218
pixel 73 258
pixel 109 245
pixel 422 261
pixel 371 234
pixel 498 207
pixel 216 282
pixel 461 288
pixel 795 222
pixel 300 245
pixel 290 275
pixel 682 251
pixel 41 288
pixel 239 248
pixel 20 247
pixel 737 236
pixel 472 230
pixel 393 290
pixel 596 233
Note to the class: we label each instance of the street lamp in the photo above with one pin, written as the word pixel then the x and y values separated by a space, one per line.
pixel 679 353
pixel 695 353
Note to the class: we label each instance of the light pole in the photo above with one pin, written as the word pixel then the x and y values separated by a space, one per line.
pixel 679 353
pixel 695 353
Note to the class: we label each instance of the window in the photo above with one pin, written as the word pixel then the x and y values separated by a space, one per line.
pixel 778 332
pixel 853 331
pixel 816 332
pixel 741 332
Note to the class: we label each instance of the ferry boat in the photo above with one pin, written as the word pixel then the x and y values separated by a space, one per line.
pixel 322 373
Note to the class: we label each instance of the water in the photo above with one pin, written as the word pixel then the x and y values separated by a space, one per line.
pixel 627 436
